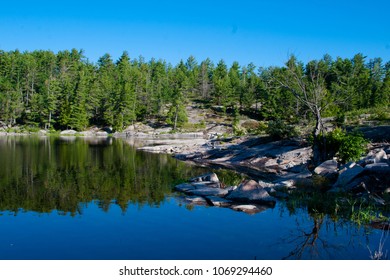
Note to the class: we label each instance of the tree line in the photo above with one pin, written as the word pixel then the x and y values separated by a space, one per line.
pixel 64 90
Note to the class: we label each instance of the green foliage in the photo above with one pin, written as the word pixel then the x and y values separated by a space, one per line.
pixel 72 174
pixel 177 116
pixel 239 130
pixel 63 90
pixel 279 129
pixel 347 146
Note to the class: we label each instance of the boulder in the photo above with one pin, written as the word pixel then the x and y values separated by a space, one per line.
pixel 42 132
pixel 269 187
pixel 102 133
pixel 298 168
pixel 378 168
pixel 218 201
pixel 210 177
pixel 290 180
pixel 207 191
pixel 347 176
pixel 185 187
pixel 372 157
pixel 206 184
pixel 358 184
pixel 87 133
pixel 68 132
pixel 327 168
pixel 346 166
pixel 381 157
pixel 250 191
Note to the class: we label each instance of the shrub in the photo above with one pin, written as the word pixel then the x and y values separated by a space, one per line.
pixel 250 125
pixel 239 130
pixel 347 146
pixel 278 129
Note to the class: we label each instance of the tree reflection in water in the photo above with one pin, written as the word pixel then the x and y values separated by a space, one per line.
pixel 307 241
pixel 51 173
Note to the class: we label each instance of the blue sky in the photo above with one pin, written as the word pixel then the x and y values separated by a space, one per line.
pixel 262 32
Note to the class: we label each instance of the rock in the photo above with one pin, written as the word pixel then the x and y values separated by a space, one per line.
pixel 210 177
pixel 358 184
pixel 283 184
pixel 68 132
pixel 378 157
pixel 42 132
pixel 249 186
pixel 297 156
pixel 195 200
pixel 271 162
pixel 207 191
pixel 102 133
pixel 289 180
pixel 263 184
pixel 250 191
pixel 266 185
pixel 87 133
pixel 218 201
pixel 249 209
pixel 185 187
pixel 204 184
pixel 298 168
pixel 378 168
pixel 346 166
pixel 381 157
pixel 347 176
pixel 230 188
pixel 377 200
pixel 327 168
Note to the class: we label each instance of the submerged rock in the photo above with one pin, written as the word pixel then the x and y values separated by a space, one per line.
pixel 198 200
pixel 248 208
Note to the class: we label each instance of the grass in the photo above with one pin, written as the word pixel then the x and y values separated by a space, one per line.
pixel 337 206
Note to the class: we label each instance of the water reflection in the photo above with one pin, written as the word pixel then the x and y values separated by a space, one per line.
pixel 74 179
pixel 45 174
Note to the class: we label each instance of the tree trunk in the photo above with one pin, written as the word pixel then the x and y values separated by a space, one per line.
pixel 175 124
pixel 318 153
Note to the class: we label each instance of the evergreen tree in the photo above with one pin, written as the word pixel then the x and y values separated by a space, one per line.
pixel 222 86
pixel 177 115
pixel 125 101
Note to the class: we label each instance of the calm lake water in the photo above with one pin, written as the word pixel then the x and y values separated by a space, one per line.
pixel 67 198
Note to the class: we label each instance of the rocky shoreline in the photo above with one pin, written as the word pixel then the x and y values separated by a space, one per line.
pixel 281 167
pixel 277 166
pixel 248 197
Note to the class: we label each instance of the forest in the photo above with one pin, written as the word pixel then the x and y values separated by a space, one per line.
pixel 65 90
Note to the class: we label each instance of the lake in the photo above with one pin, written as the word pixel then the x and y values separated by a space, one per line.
pixel 78 198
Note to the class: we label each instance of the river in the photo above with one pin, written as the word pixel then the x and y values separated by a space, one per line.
pixel 79 198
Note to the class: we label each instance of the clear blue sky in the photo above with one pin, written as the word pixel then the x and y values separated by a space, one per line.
pixel 262 32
